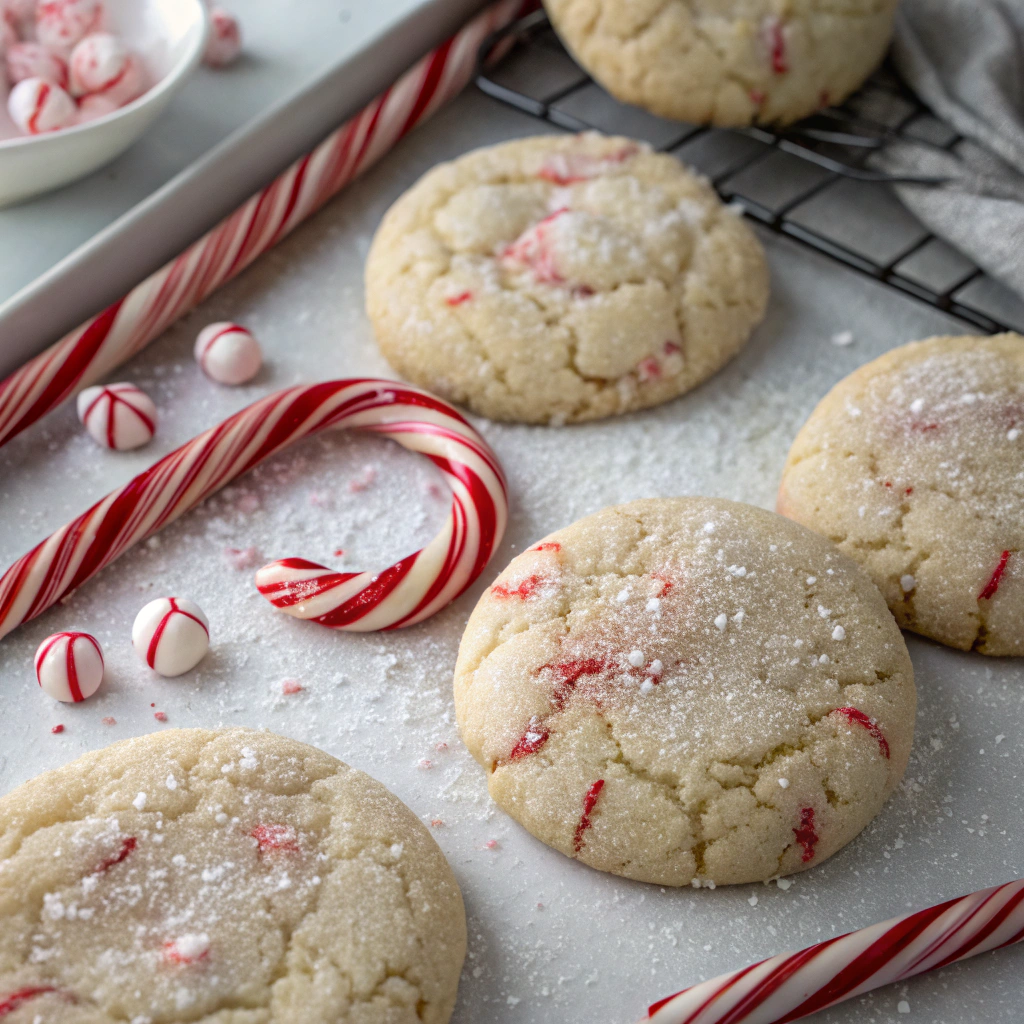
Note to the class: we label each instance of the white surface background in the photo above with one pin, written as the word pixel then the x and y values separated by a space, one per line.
pixel 551 941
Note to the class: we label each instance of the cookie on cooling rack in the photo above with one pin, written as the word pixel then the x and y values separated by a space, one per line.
pixel 686 691
pixel 563 278
pixel 214 876
pixel 914 466
pixel 718 62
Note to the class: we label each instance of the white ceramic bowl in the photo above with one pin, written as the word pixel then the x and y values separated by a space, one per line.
pixel 169 36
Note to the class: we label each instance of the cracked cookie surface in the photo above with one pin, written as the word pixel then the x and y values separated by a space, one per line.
pixel 914 466
pixel 727 62
pixel 687 691
pixel 223 877
pixel 562 278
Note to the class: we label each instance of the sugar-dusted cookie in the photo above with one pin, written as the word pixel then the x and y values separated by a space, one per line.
pixel 231 877
pixel 727 62
pixel 687 691
pixel 914 466
pixel 562 278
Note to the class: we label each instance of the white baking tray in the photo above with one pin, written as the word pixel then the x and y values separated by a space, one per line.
pixel 551 941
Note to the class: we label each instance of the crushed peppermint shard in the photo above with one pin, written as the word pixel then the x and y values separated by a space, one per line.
pixel 290 687
pixel 187 949
pixel 586 821
pixel 990 588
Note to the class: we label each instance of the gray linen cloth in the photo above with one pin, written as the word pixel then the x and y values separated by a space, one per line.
pixel 965 59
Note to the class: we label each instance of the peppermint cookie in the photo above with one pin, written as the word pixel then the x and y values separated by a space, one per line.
pixel 562 278
pixel 687 691
pixel 727 63
pixel 234 877
pixel 914 466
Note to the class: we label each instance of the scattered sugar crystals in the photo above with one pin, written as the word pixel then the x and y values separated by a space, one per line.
pixel 907 583
pixel 839 633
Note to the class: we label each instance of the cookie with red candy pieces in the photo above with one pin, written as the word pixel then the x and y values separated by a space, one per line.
pixel 118 416
pixel 914 466
pixel 687 691
pixel 195 864
pixel 69 666
pixel 37 106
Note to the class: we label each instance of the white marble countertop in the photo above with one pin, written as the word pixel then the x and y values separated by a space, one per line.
pixel 551 941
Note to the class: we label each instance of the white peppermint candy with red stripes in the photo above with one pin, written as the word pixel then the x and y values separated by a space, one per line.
pixel 228 353
pixel 32 60
pixel 172 634
pixel 69 666
pixel 118 416
pixel 225 42
pixel 99 62
pixel 37 106
pixel 62 23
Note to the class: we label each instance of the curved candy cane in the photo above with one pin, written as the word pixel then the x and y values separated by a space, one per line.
pixel 408 592
pixel 794 985
pixel 110 338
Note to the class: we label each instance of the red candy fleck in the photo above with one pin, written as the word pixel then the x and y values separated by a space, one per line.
pixel 909 491
pixel 127 847
pixel 491 844
pixel 530 742
pixel 924 428
pixel 160 716
pixel 436 823
pixel 10 1003
pixel 806 835
pixel 777 44
pixel 667 583
pixel 109 720
pixel 856 716
pixel 276 837
pixel 174 954
pixel 757 97
pixel 531 248
pixel 583 291
pixel 338 552
pixel 548 545
pixel 525 590
pixel 570 168
pixel 458 300
pixel 990 588
pixel 648 369
pixel 291 686
pixel 57 729
pixel 589 802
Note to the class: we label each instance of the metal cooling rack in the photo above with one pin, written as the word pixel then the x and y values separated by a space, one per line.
pixel 812 182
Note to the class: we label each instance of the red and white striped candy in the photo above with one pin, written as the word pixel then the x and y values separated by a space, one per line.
pixel 62 23
pixel 98 63
pixel 410 591
pixel 91 351
pixel 794 985
pixel 37 106
pixel 225 42
pixel 31 60
pixel 172 634
pixel 228 353
pixel 118 416
pixel 69 666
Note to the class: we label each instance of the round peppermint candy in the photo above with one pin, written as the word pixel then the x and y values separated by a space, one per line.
pixel 228 353
pixel 118 416
pixel 69 666
pixel 172 634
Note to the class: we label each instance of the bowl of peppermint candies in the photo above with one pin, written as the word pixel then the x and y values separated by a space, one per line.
pixel 81 80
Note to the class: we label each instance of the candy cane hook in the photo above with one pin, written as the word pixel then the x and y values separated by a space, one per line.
pixel 408 592
pixel 794 985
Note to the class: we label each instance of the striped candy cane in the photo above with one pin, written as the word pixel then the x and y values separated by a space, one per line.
pixel 408 592
pixel 89 353
pixel 794 985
